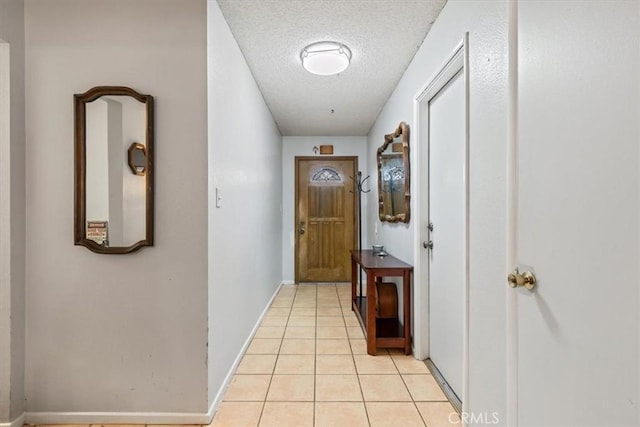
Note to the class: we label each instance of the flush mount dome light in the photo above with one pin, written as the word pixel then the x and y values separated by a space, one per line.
pixel 325 58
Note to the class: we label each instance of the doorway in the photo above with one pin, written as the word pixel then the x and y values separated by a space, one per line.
pixel 442 262
pixel 325 218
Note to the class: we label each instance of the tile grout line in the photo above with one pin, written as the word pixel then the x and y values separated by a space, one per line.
pixel 415 405
pixel 353 358
pixel 315 359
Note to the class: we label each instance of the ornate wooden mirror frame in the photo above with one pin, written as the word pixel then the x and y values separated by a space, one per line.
pixel 82 225
pixel 395 145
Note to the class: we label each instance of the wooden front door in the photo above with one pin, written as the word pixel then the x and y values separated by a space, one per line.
pixel 325 218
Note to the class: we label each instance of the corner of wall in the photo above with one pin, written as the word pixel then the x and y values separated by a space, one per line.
pixel 12 211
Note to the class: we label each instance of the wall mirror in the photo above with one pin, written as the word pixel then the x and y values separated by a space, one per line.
pixel 138 158
pixel 394 176
pixel 114 132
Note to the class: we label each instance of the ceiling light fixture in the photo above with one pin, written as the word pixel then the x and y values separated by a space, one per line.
pixel 325 58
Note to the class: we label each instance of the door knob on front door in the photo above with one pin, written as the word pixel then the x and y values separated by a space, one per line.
pixel 301 229
pixel 526 279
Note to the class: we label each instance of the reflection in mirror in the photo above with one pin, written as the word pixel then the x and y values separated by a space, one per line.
pixel 114 207
pixel 394 177
pixel 137 158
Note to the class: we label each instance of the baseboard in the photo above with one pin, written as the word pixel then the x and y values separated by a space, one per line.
pixel 223 388
pixel 288 282
pixel 18 422
pixel 214 405
pixel 115 418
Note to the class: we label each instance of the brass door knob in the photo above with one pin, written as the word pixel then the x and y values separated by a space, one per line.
pixel 526 279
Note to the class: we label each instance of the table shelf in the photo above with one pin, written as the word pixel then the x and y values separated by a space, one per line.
pixel 385 328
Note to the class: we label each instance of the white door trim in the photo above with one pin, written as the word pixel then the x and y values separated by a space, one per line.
pixel 457 62
pixel 5 227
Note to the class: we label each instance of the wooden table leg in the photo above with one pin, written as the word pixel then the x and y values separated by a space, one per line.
pixel 354 279
pixel 371 314
pixel 406 281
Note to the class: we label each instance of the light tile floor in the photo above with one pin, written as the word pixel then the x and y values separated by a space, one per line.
pixel 307 366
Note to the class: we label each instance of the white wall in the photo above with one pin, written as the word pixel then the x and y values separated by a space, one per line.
pixel 244 233
pixel 486 23
pixel 293 146
pixel 127 333
pixel 12 214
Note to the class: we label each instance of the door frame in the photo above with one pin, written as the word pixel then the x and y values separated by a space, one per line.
pixel 458 61
pixel 297 161
pixel 5 223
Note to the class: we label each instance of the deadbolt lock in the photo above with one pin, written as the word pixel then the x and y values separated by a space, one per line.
pixel 526 280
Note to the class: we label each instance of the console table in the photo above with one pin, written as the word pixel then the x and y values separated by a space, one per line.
pixel 381 332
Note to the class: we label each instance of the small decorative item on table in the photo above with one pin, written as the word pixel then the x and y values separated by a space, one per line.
pixel 379 250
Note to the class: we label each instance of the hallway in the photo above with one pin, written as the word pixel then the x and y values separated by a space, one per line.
pixel 546 181
pixel 307 366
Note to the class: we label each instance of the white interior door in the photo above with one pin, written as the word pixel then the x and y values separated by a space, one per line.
pixel 578 213
pixel 447 159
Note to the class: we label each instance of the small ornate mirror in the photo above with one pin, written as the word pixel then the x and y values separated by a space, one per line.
pixel 113 169
pixel 394 190
pixel 138 158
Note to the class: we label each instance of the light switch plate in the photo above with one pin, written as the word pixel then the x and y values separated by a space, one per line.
pixel 218 198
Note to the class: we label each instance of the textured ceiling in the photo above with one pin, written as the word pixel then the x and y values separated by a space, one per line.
pixel 383 35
